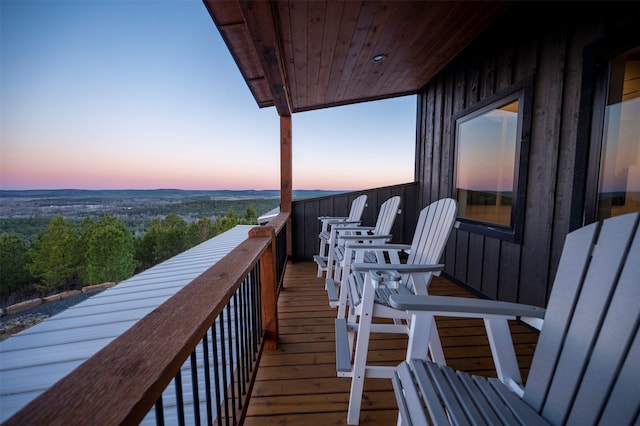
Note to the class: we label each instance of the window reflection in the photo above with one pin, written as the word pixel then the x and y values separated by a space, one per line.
pixel 619 184
pixel 485 165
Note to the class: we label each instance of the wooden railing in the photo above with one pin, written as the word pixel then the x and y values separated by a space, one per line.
pixel 215 327
pixel 306 226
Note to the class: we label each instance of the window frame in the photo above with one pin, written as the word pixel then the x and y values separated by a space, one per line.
pixel 595 87
pixel 523 93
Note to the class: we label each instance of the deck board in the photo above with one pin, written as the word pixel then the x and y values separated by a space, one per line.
pixel 297 383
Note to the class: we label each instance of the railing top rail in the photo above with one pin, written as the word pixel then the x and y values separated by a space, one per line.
pixel 279 221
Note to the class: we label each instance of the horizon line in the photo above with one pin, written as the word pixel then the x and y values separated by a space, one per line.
pixel 164 189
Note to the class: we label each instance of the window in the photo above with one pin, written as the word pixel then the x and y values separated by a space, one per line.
pixel 619 172
pixel 488 170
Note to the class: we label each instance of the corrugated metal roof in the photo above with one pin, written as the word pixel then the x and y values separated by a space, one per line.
pixel 34 359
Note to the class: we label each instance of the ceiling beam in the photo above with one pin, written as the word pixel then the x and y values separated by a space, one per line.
pixel 260 21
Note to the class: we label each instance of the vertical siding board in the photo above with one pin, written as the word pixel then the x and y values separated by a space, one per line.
pixel 487 75
pixel 543 164
pixel 445 138
pixel 325 208
pixel 568 145
pixel 431 138
pixel 462 255
pixel 504 65
pixel 490 267
pixel 438 140
pixel 307 218
pixel 370 213
pixel 450 100
pixel 311 222
pixel 409 216
pixel 450 251
pixel 472 80
pixel 525 60
pixel 398 225
pixel 297 220
pixel 475 263
pixel 459 101
pixel 421 137
pixel 509 278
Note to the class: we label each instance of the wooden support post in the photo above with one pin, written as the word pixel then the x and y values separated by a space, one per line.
pixel 268 286
pixel 285 164
pixel 286 174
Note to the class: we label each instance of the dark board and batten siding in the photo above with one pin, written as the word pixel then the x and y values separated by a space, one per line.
pixel 306 212
pixel 551 54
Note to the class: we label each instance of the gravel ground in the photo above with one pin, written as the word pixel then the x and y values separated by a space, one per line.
pixel 13 323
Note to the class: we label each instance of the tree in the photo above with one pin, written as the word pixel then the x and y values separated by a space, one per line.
pixel 250 216
pixel 199 231
pixel 86 226
pixel 145 246
pixel 14 275
pixel 227 222
pixel 55 255
pixel 164 239
pixel 109 252
pixel 171 237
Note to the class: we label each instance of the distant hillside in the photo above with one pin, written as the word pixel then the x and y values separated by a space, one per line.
pixel 225 194
pixel 28 213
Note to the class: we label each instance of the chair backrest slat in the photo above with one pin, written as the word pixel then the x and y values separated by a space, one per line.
pixel 610 353
pixel 357 208
pixel 387 216
pixel 573 342
pixel 623 405
pixel 573 262
pixel 432 232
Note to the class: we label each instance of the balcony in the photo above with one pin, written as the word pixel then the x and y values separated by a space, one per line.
pixel 297 383
pixel 280 368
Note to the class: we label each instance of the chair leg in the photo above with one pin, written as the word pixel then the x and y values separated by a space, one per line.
pixel 321 252
pixel 330 255
pixel 503 351
pixel 352 322
pixel 342 297
pixel 435 346
pixel 344 283
pixel 360 355
pixel 424 339
pixel 338 270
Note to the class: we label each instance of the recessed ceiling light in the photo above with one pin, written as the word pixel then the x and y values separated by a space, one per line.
pixel 379 58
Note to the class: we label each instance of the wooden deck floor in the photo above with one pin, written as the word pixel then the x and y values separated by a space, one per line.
pixel 297 383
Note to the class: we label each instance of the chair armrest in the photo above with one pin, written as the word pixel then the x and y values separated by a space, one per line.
pixel 356 228
pixel 341 223
pixel 323 218
pixel 454 306
pixel 387 247
pixel 363 237
pixel 402 268
pixel 338 220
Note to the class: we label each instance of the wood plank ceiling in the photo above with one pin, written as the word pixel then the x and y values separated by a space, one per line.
pixel 304 55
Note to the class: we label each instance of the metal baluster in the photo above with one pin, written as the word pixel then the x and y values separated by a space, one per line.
pixel 207 378
pixel 179 399
pixel 194 386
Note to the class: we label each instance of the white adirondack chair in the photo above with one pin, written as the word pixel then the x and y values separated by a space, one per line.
pixel 327 235
pixel 586 366
pixel 361 235
pixel 371 284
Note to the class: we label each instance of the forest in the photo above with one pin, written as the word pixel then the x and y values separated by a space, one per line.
pixel 53 241
pixel 57 240
pixel 68 255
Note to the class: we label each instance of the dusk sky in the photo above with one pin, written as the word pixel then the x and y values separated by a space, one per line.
pixel 143 94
